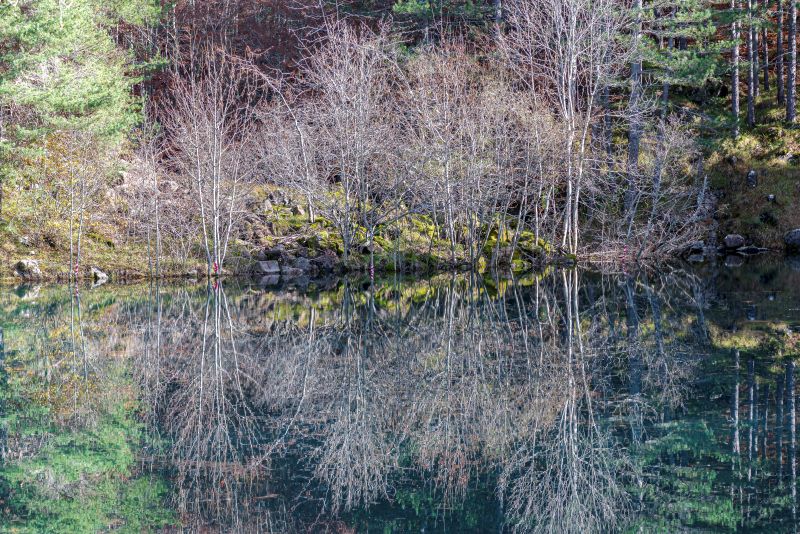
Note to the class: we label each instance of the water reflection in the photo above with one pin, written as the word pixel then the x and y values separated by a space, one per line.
pixel 566 402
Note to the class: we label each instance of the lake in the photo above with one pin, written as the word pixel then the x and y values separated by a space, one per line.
pixel 566 401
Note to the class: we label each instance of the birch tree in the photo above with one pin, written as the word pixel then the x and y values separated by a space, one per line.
pixel 210 121
pixel 791 74
pixel 565 52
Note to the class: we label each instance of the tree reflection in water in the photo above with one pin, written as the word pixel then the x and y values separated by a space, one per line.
pixel 556 403
pixel 311 407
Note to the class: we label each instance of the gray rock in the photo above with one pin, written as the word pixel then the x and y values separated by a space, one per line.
pixel 752 178
pixel 274 253
pixel 770 198
pixel 696 258
pixel 792 240
pixel 298 210
pixel 28 270
pixel 98 276
pixel 733 241
pixel 267 267
pixel 304 264
pixel 326 262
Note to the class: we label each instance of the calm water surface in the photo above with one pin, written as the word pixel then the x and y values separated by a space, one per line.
pixel 570 401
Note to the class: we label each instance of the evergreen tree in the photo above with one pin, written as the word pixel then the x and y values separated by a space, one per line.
pixel 63 71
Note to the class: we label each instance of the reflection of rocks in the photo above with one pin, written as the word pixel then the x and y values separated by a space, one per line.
pixel 28 291
pixel 751 250
pixel 733 261
pixel 277 260
pixel 733 241
pixel 291 272
pixel 267 267
pixel 271 280
pixel 28 270
pixel 98 276
pixel 793 262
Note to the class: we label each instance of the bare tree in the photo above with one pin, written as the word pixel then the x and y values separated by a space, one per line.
pixel 210 122
pixel 791 74
pixel 735 69
pixel 566 52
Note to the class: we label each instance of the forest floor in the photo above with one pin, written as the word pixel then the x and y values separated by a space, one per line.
pixel 772 150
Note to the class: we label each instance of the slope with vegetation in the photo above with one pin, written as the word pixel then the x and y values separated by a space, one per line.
pixel 159 138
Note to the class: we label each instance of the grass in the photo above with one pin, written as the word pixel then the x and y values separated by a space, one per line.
pixel 772 149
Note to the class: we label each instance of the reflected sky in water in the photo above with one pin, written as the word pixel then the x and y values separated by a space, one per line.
pixel 569 401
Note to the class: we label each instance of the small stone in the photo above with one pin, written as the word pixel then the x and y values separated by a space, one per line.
pixel 733 241
pixel 298 210
pixel 752 179
pixel 770 198
pixel 696 258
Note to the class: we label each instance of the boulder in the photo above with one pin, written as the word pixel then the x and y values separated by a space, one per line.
pixel 752 178
pixel 792 240
pixel 696 258
pixel 274 253
pixel 28 270
pixel 98 276
pixel 326 262
pixel 298 210
pixel 304 264
pixel 733 241
pixel 267 267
